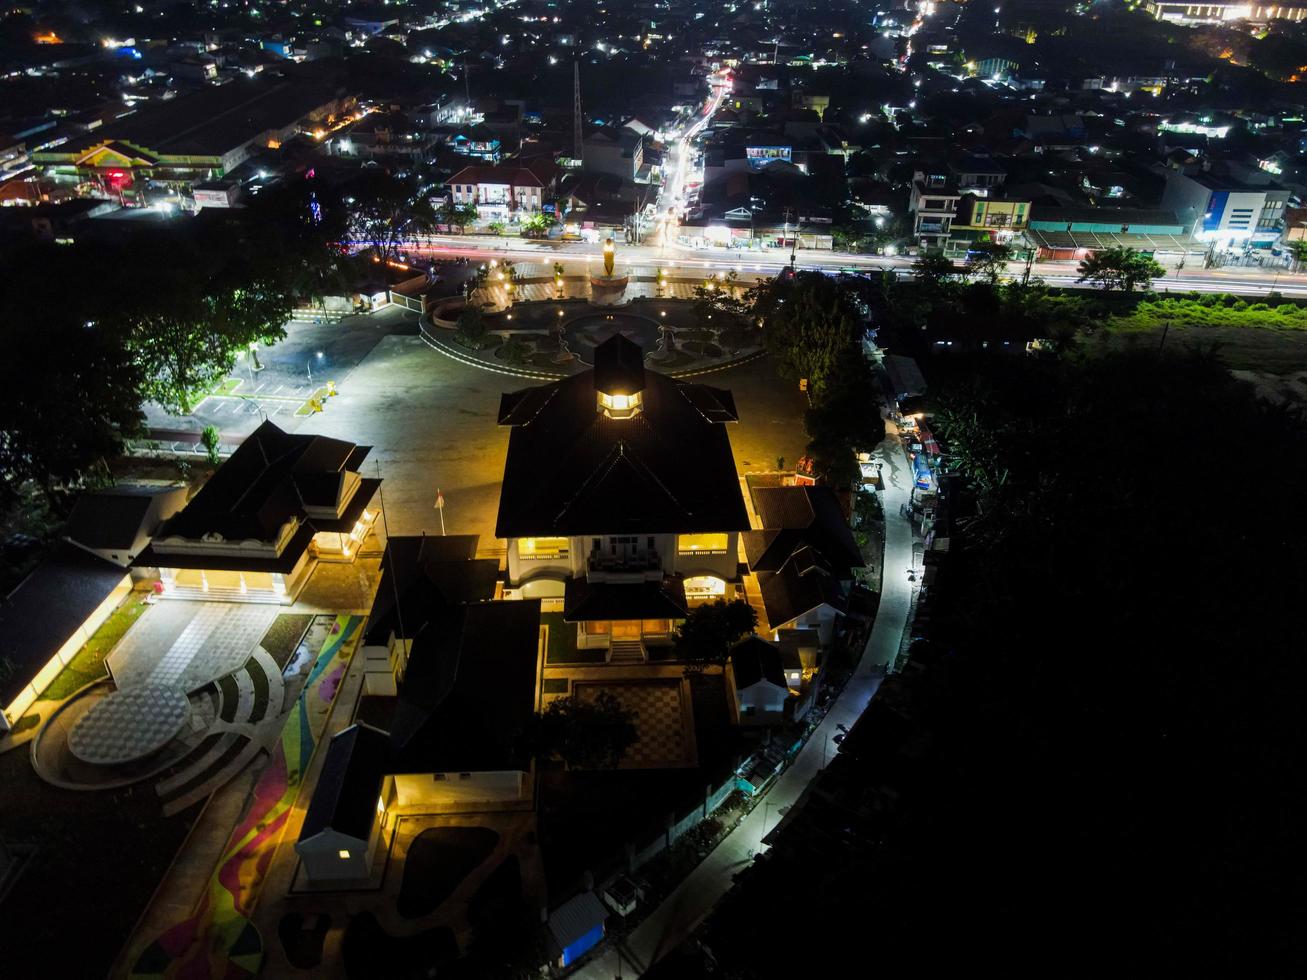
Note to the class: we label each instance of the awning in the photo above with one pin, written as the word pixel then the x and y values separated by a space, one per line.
pixel 928 441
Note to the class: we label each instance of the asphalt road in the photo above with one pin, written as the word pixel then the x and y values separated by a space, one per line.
pixel 1239 280
pixel 677 917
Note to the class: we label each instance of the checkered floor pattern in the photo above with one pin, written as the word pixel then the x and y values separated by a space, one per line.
pixel 659 720
pixel 128 725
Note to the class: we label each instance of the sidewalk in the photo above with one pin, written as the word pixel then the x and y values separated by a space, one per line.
pixel 673 921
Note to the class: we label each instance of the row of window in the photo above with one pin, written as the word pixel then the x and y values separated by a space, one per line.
pixel 686 544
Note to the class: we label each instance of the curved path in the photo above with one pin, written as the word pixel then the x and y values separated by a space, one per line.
pixel 218 939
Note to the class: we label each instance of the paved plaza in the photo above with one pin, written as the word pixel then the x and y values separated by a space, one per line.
pixel 215 638
pixel 664 720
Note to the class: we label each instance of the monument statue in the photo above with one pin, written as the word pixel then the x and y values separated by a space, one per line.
pixel 609 254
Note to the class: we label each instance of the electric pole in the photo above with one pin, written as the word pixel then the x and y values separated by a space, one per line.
pixel 577 135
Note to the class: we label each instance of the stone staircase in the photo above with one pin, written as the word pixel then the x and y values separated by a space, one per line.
pixel 626 652
pixel 215 594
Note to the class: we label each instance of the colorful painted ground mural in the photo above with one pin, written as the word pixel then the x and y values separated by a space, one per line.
pixel 218 941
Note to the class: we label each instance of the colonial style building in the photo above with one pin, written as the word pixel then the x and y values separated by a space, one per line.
pixel 254 532
pixel 500 192
pixel 621 498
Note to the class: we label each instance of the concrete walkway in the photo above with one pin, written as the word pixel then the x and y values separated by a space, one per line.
pixel 691 902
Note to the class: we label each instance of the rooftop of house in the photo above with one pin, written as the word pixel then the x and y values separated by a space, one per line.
pixel 272 476
pixel 804 583
pixel 215 119
pixel 345 798
pixel 537 174
pixel 754 659
pixel 571 469
pixel 424 576
pixel 112 518
pixel 796 517
pixel 470 689
pixel 43 612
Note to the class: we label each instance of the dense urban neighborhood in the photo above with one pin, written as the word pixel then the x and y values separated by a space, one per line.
pixel 530 488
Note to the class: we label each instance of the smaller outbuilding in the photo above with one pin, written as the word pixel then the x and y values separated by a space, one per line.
pixel 576 926
pixel 344 824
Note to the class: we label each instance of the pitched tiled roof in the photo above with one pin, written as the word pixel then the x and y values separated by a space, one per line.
pixel 492 174
pixel 803 583
pixel 269 479
pixel 572 470
pixel 796 517
pixel 345 798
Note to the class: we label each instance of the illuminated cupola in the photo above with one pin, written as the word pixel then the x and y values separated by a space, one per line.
pixel 619 378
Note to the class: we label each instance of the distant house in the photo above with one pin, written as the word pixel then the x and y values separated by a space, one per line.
pixel 804 594
pixel 499 192
pixel 255 530
pixel 344 824
pixel 576 926
pixel 619 152
pixel 803 558
pixel 764 679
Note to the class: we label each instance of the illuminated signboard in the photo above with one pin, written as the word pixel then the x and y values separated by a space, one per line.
pixel 760 156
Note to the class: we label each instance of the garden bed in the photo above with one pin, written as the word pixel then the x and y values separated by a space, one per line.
pixel 437 861
pixel 87 664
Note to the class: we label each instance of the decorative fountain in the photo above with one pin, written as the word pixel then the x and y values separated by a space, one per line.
pixel 610 288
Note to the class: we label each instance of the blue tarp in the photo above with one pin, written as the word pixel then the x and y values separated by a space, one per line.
pixel 921 471
pixel 583 945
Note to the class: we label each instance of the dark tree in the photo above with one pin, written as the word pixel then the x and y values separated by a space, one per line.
pixel 709 630
pixel 72 389
pixel 585 734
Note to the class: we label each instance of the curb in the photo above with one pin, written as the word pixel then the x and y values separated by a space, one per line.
pixel 439 345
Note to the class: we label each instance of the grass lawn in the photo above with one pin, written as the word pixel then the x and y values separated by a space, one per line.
pixel 562 643
pixel 227 386
pixel 99 857
pixel 301 937
pixel 1239 348
pixel 88 663
pixel 284 636
pixel 437 861
pixel 369 951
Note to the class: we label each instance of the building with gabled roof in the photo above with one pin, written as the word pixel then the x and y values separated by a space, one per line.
pixel 253 532
pixel 342 828
pixel 620 496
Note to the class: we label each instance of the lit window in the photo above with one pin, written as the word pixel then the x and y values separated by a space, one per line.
pixel 692 544
pixel 542 547
pixel 344 855
pixel 619 406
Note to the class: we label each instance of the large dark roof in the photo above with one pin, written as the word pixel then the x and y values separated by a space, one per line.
pixel 804 583
pixel 345 799
pixel 795 517
pixel 46 608
pixel 585 601
pixel 111 518
pixel 619 366
pixel 271 477
pixel 572 470
pixel 470 690
pixel 216 119
pixel 754 659
pixel 429 575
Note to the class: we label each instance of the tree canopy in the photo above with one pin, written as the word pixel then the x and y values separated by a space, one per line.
pixel 1110 732
pixel 584 733
pixel 811 323
pixel 707 633
pixel 1119 268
